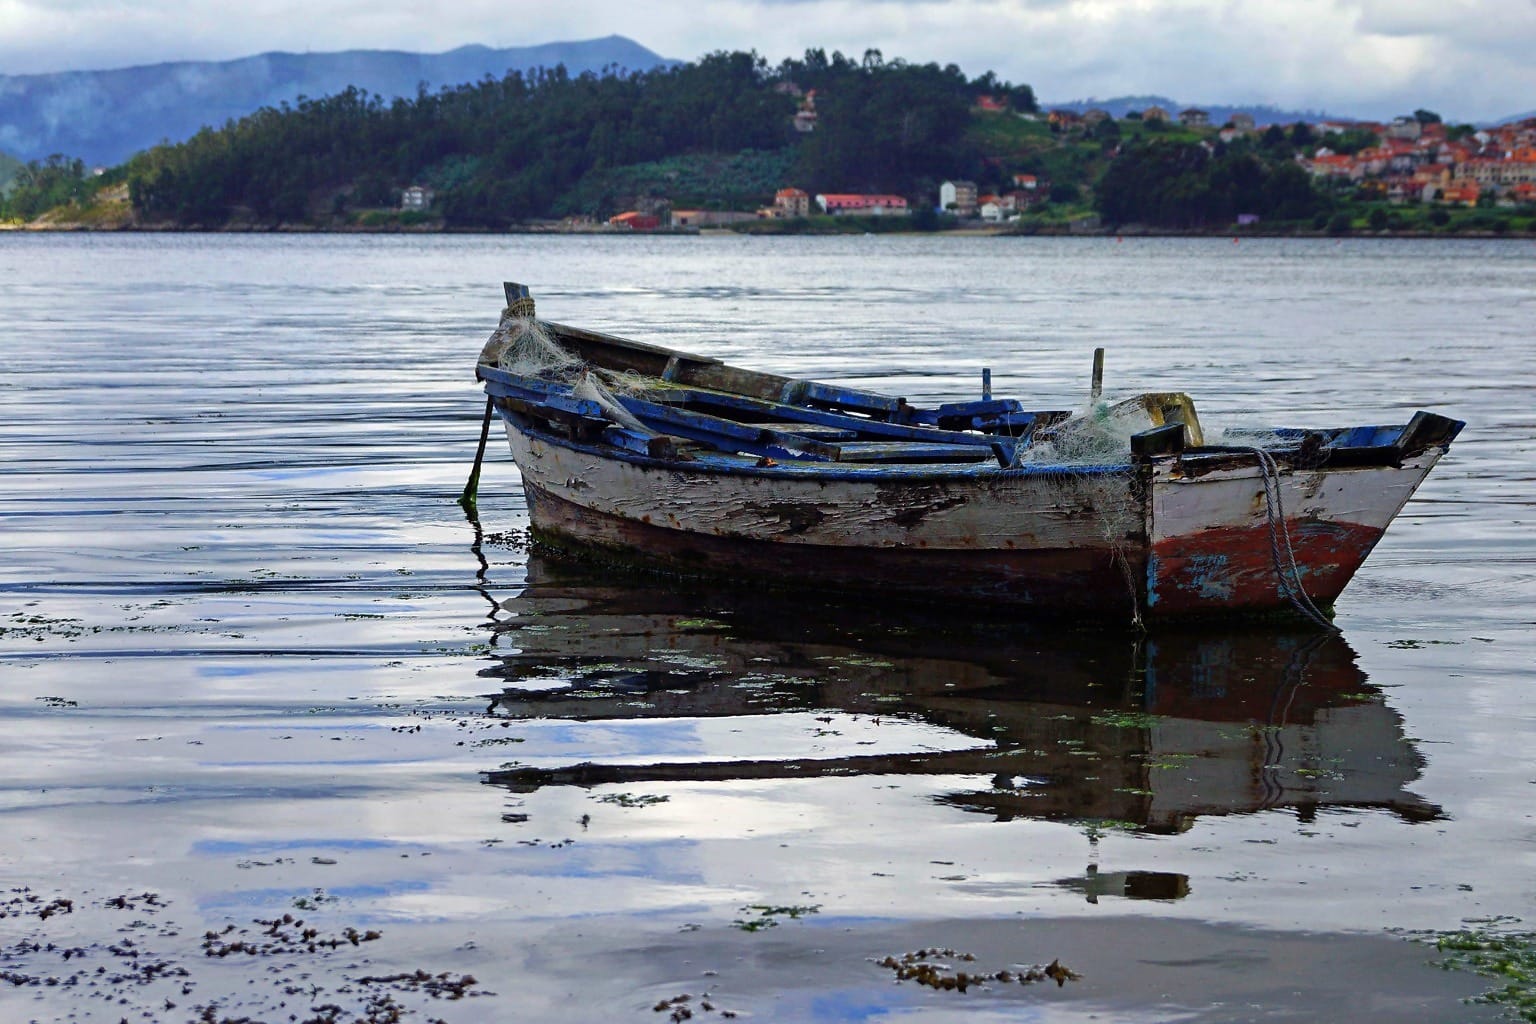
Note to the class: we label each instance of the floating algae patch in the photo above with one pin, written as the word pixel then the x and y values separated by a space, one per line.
pixel 767 916
pixel 1126 719
pixel 632 799
pixel 1097 828
pixel 135 955
pixel 1488 947
pixel 938 969
pixel 24 626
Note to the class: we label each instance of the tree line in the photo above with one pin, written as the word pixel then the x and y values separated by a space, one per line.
pixel 501 151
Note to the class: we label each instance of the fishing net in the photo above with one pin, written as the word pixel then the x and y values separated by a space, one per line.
pixel 589 388
pixel 522 346
pixel 1099 435
pixel 1090 453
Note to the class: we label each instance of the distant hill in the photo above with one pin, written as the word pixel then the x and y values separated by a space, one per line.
pixel 1220 112
pixel 103 117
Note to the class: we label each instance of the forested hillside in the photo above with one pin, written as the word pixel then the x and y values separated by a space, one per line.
pixel 549 144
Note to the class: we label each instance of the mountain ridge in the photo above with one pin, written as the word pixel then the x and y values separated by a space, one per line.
pixel 104 116
pixel 1263 113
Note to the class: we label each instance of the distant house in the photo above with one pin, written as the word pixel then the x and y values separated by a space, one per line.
pixel 416 197
pixel 1155 114
pixel 1243 122
pixel 633 220
pixel 1463 191
pixel 1333 165
pixel 1404 128
pixel 1095 116
pixel 991 104
pixel 1063 120
pixel 805 117
pixel 844 204
pixel 1026 181
pixel 959 197
pixel 707 218
pixel 792 202
pixel 1193 117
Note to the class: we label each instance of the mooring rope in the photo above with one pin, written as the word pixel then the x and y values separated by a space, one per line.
pixel 1286 569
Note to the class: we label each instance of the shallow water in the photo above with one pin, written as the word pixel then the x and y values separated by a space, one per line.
pixel 256 661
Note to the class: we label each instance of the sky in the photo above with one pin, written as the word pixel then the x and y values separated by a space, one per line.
pixel 1469 60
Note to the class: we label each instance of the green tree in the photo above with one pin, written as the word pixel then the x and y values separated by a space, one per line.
pixel 1175 184
pixel 41 185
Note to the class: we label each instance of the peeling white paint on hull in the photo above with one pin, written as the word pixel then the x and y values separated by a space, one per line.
pixel 1198 546
pixel 1016 539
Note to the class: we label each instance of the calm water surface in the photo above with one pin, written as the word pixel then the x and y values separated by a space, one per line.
pixel 254 660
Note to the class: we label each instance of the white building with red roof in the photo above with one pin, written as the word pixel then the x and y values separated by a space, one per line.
pixel 847 204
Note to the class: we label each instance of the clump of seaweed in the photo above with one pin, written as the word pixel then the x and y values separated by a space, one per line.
pixel 937 969
pixel 1493 948
pixel 681 1007
pixel 766 916
pixel 147 969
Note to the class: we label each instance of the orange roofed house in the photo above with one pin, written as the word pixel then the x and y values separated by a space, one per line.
pixel 634 221
pixel 787 203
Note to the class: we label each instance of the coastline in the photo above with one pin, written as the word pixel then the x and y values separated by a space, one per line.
pixel 1047 231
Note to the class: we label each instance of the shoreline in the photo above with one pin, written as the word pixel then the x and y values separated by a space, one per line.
pixel 1044 231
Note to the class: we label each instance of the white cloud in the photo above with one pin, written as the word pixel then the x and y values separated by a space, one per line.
pixel 1467 58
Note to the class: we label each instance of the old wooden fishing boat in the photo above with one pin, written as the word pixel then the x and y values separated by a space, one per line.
pixel 679 462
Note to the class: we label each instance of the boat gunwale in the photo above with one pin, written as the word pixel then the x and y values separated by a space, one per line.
pixel 1204 458
pixel 726 464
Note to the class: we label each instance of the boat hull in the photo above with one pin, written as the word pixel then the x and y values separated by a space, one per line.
pixel 1167 544
pixel 1015 540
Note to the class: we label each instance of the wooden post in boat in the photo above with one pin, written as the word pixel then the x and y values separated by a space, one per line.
pixel 986 383
pixel 472 488
pixel 1098 374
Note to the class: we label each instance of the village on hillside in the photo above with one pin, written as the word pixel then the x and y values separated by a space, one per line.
pixel 1414 159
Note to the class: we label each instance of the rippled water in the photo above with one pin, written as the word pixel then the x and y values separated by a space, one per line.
pixel 256 661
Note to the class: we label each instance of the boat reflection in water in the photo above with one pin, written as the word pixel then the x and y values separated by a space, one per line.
pixel 1055 723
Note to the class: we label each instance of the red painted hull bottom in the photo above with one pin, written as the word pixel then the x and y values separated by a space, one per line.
pixel 1233 568
pixel 1053 581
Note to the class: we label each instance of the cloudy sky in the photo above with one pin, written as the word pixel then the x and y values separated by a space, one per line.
pixel 1467 59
